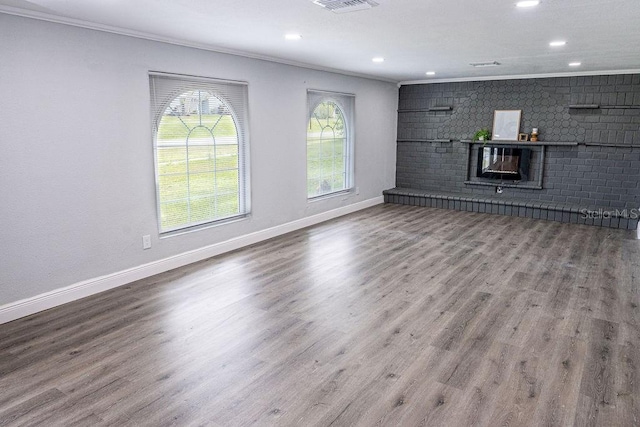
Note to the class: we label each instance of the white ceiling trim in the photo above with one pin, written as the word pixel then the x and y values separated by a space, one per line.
pixel 522 76
pixel 9 10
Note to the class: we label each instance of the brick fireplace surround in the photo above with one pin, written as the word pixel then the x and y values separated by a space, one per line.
pixel 589 148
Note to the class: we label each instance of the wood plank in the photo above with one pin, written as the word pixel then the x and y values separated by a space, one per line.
pixel 460 325
pixel 28 410
pixel 560 392
pixel 521 393
pixel 394 315
pixel 476 406
pixel 597 387
pixel 461 368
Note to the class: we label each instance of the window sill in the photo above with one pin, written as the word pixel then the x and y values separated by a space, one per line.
pixel 195 228
pixel 330 195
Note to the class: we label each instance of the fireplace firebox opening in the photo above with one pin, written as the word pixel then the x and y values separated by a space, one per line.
pixel 504 163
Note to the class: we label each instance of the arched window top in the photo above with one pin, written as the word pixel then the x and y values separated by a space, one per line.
pixel 196 116
pixel 197 102
pixel 328 117
pixel 200 151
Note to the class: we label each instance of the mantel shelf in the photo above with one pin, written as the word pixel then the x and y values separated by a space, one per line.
pixel 521 143
pixel 528 143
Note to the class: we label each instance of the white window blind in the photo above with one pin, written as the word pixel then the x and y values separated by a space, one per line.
pixel 329 143
pixel 200 143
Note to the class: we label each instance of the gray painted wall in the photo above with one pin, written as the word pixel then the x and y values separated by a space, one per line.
pixel 585 175
pixel 77 178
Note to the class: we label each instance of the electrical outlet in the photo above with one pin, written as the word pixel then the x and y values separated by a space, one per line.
pixel 146 242
pixel 357 190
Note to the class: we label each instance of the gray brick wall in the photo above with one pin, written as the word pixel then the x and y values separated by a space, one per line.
pixel 544 104
pixel 583 175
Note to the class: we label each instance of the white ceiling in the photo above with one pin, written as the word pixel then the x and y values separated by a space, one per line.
pixel 414 36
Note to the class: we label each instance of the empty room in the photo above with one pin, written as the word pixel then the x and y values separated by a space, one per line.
pixel 320 213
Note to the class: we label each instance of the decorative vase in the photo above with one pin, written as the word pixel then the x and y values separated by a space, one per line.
pixel 534 135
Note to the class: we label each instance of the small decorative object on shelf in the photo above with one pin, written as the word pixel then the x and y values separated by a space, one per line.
pixel 482 135
pixel 523 137
pixel 534 135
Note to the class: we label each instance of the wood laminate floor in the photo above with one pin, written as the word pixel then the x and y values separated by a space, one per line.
pixel 392 316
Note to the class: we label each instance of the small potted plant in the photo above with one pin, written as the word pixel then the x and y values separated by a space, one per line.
pixel 482 135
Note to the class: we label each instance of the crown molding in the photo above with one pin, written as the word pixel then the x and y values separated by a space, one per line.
pixel 41 16
pixel 25 13
pixel 520 76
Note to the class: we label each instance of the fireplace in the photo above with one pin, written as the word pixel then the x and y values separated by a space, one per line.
pixel 504 163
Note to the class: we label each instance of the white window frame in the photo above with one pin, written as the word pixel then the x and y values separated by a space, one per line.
pixel 165 87
pixel 346 103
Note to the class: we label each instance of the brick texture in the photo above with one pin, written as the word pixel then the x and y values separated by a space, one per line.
pixel 585 175
pixel 544 104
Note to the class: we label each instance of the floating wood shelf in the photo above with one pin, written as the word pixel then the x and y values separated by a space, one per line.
pixel 603 107
pixel 527 143
pixel 621 107
pixel 522 143
pixel 584 106
pixel 425 110
pixel 424 140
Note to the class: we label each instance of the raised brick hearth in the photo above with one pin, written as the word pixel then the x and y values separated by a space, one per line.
pixel 511 207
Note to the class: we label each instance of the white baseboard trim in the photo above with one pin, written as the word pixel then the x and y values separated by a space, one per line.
pixel 45 301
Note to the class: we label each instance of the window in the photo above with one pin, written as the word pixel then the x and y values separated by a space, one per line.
pixel 329 143
pixel 200 148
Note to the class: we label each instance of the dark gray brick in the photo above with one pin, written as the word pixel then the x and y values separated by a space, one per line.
pixel 592 176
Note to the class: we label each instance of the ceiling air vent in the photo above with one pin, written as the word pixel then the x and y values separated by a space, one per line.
pixel 344 6
pixel 485 64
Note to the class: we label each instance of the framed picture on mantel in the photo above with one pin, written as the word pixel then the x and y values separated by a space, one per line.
pixel 506 125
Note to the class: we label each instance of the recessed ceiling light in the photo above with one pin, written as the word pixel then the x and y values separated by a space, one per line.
pixel 378 59
pixel 557 43
pixel 528 3
pixel 575 64
pixel 430 73
pixel 292 36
